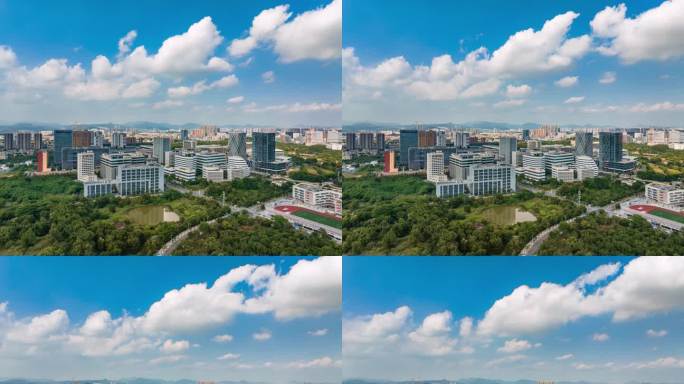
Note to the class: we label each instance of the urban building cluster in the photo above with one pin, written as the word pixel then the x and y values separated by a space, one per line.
pixel 129 162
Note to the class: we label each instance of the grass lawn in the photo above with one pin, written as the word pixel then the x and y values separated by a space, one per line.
pixel 668 215
pixel 325 220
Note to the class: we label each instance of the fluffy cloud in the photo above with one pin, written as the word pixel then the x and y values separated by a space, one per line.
pixel 515 345
pixel 510 103
pixel 646 286
pixel 600 337
pixel 654 333
pixel 652 35
pixel 202 86
pixel 319 332
pixel 126 42
pixel 432 338
pixel 567 81
pixel 315 34
pixel 228 356
pixel 236 100
pixel 7 57
pixel 608 78
pixel 518 91
pixel 574 100
pixel 565 357
pixel 480 74
pixel 223 338
pixel 268 77
pixel 310 288
pixel 171 346
pixel 465 326
pixel 189 309
pixel 376 329
pixel 40 328
pixel 262 335
pixel 322 362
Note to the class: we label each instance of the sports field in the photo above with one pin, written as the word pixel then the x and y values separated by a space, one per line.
pixel 668 215
pixel 322 219
pixel 660 212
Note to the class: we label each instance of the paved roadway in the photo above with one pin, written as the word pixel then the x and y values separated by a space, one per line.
pixel 533 245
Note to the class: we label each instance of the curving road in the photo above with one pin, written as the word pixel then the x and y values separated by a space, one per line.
pixel 533 245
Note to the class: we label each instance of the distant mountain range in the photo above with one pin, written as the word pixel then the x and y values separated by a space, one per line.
pixel 477 381
pixel 140 125
pixel 481 125
pixel 129 381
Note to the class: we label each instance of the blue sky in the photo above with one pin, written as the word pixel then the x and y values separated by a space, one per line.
pixel 633 48
pixel 159 323
pixel 599 319
pixel 299 43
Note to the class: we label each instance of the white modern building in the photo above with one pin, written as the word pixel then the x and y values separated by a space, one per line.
pixel 214 174
pixel 533 160
pixel 534 173
pixel 665 194
pixel 586 167
pixel 85 165
pixel 435 166
pixel 483 179
pixel 140 179
pixel 552 158
pixel 318 196
pixel 563 173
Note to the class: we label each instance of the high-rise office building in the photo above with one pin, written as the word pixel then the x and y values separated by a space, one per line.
pixel 390 165
pixel 380 142
pixel 63 138
pixel 23 141
pixel 118 140
pixel 85 165
pixel 507 145
pixel 98 139
pixel 461 139
pixel 407 138
pixel 8 141
pixel 427 138
pixel 160 145
pixel 610 146
pixel 38 140
pixel 525 134
pixel 237 144
pixel 184 134
pixel 42 161
pixel 435 166
pixel 81 138
pixel 584 144
pixel 365 141
pixel 263 147
pixel 441 138
pixel 350 138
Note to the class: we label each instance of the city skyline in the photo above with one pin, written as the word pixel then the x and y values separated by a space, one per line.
pixel 202 318
pixel 600 319
pixel 237 63
pixel 560 62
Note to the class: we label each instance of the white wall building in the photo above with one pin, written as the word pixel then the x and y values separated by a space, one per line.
pixel 435 166
pixel 665 194
pixel 85 165
pixel 318 196
pixel 562 173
